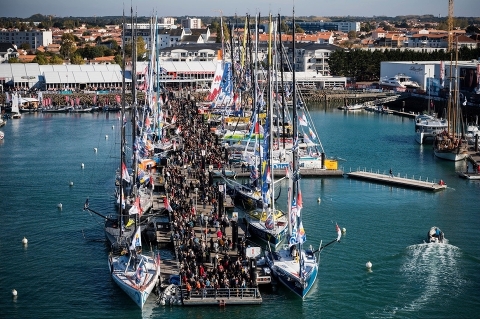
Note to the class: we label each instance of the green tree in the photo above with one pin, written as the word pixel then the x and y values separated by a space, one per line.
pixel 67 45
pixel 352 34
pixel 77 59
pixel 14 60
pixel 25 46
pixel 118 59
pixel 55 59
pixel 40 58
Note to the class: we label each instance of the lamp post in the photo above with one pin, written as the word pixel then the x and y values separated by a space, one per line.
pixel 203 159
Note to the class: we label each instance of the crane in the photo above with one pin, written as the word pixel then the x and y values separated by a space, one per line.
pixel 450 25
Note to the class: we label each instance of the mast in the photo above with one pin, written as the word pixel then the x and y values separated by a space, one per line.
pixel 122 132
pixel 281 79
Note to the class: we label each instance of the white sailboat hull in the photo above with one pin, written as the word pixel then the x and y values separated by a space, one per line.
pixel 125 275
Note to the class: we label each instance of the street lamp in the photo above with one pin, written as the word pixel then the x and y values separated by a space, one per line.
pixel 203 159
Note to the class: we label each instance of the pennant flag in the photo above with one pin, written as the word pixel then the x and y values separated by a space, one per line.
pixel 299 202
pixel 339 232
pixel 310 132
pixel 301 236
pixel 303 120
pixel 125 175
pixel 166 203
pixel 306 139
pixel 136 240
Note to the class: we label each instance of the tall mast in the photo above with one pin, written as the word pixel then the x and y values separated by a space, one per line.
pixel 122 130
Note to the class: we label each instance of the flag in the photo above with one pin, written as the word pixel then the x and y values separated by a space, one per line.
pixel 299 202
pixel 303 120
pixel 310 132
pixel 269 221
pixel 136 240
pixel 125 175
pixel 306 139
pixel 339 232
pixel 301 236
pixel 166 203
pixel 268 178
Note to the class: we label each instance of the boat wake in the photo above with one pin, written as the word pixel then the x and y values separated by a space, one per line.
pixel 430 272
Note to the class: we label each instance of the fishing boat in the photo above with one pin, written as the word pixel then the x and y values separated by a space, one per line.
pixel 136 274
pixel 435 235
pixel 295 267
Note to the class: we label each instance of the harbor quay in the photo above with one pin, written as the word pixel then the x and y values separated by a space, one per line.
pixel 195 220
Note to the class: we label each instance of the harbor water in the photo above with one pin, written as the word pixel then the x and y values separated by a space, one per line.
pixel 52 159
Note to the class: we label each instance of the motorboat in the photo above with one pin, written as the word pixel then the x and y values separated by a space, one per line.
pixel 435 235
pixel 398 82
pixel 428 126
pixel 354 107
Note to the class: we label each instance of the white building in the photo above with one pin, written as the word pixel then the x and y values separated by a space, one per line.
pixel 191 23
pixel 438 72
pixel 34 38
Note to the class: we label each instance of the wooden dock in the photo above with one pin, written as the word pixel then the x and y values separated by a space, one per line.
pixel 398 181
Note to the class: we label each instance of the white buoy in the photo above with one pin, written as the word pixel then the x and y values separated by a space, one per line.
pixel 344 230
pixel 14 292
pixel 71 183
pixel 59 206
pixel 106 137
pixel 95 149
pixel 82 165
pixel 368 265
pixel 319 200
pixel 24 241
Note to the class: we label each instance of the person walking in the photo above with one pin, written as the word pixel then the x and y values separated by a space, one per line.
pixel 391 173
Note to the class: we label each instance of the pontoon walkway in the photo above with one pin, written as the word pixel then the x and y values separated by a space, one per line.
pixel 398 181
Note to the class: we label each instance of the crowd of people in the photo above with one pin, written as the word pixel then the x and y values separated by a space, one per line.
pixel 204 256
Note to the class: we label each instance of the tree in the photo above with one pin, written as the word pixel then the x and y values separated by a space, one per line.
pixel 68 45
pixel 40 58
pixel 77 59
pixel 298 29
pixel 55 59
pixel 25 46
pixel 352 34
pixel 14 60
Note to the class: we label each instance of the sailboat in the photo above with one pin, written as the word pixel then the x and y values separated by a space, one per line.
pixel 15 107
pixel 451 144
pixel 295 267
pixel 268 223
pixel 136 274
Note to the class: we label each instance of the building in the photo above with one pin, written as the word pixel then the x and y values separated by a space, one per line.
pixel 25 76
pixel 191 23
pixel 34 38
pixel 7 51
pixel 434 76
pixel 316 26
